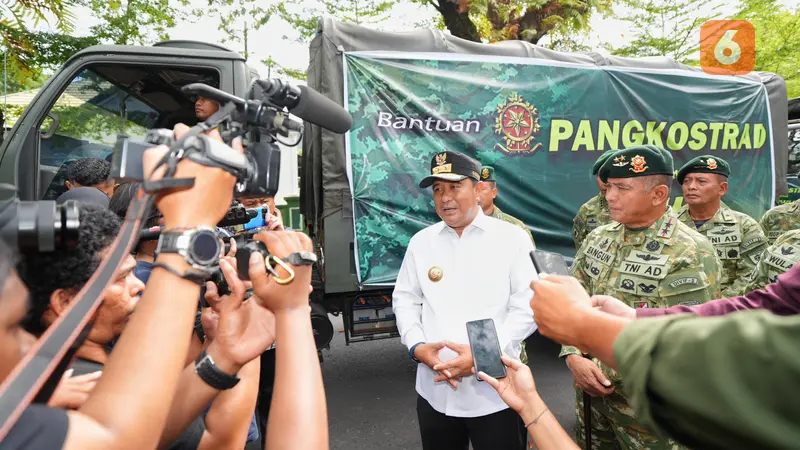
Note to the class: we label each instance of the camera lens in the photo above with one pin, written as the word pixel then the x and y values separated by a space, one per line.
pixel 40 226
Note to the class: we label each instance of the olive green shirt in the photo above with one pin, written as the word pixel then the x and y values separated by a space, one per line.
pixel 781 219
pixel 728 382
pixel 739 243
pixel 591 215
pixel 777 259
pixel 498 214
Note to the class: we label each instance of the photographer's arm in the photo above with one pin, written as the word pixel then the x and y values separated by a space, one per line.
pixel 139 381
pixel 299 394
pixel 228 420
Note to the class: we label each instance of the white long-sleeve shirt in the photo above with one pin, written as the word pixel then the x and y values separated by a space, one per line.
pixel 486 273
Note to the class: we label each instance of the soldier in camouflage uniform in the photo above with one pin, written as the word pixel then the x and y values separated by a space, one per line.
pixel 486 200
pixel 777 259
pixel 781 219
pixel 593 213
pixel 736 236
pixel 647 258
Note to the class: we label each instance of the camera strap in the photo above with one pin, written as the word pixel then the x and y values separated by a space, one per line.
pixel 40 371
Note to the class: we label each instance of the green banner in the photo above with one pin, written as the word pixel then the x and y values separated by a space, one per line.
pixel 541 124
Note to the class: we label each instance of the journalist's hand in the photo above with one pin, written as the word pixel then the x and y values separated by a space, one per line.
pixel 517 389
pixel 460 366
pixel 613 306
pixel 589 377
pixel 244 330
pixel 428 354
pixel 72 392
pixel 204 204
pixel 274 296
pixel 273 223
pixel 558 304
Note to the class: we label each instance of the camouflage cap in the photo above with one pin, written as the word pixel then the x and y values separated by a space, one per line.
pixel 706 164
pixel 487 173
pixel 451 166
pixel 601 160
pixel 639 161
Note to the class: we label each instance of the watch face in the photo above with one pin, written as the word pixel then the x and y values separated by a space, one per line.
pixel 205 248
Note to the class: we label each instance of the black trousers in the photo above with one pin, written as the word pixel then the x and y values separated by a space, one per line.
pixel 502 430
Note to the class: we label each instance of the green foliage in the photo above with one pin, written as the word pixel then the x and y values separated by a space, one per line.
pixel 131 22
pixel 359 12
pixel 271 64
pixel 667 27
pixel 527 20
pixel 777 39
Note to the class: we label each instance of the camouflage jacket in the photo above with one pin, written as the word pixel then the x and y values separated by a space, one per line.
pixel 780 219
pixel 591 215
pixel 739 242
pixel 497 214
pixel 777 259
pixel 663 265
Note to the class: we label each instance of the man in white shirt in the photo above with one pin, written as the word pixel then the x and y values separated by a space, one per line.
pixel 467 267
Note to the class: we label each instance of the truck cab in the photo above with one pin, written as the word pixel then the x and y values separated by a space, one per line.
pixel 105 91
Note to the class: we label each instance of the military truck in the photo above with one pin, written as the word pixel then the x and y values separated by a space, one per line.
pixel 540 117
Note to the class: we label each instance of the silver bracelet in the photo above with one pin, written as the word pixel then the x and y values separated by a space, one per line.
pixel 533 422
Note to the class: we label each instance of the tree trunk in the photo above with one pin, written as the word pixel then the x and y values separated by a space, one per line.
pixel 458 23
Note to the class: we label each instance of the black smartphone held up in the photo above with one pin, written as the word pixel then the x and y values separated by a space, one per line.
pixel 549 263
pixel 486 350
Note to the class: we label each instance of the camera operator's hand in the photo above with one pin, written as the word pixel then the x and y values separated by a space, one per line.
pixel 72 392
pixel 275 296
pixel 244 330
pixel 204 204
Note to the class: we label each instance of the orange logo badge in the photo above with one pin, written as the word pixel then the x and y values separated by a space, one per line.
pixel 638 164
pixel 727 47
pixel 711 163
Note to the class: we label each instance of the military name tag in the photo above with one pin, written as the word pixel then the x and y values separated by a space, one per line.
pixel 772 235
pixel 435 274
pixel 724 235
pixel 599 255
pixel 647 258
pixel 645 270
pixel 785 260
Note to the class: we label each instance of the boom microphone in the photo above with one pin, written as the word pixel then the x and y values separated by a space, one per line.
pixel 308 104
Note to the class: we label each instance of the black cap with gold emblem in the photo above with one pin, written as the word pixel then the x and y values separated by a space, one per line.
pixel 639 161
pixel 705 163
pixel 451 166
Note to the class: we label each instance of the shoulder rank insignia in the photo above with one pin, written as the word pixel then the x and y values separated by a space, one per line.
pixel 638 164
pixel 667 227
pixel 619 161
pixel 435 274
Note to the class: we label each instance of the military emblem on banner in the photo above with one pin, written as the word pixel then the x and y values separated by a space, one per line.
pixel 517 122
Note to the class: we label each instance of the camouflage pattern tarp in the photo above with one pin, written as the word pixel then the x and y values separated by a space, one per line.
pixel 541 125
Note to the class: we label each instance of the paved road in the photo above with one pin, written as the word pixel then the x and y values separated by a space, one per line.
pixel 371 397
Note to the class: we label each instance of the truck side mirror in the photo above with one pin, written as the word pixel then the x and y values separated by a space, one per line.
pixel 51 128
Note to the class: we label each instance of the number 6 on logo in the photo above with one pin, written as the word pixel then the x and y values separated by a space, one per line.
pixel 727 47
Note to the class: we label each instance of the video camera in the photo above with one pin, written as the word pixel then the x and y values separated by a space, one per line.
pixel 259 119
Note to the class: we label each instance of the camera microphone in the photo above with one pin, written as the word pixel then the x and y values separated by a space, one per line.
pixel 308 104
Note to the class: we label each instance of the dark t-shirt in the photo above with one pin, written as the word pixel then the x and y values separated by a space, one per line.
pixel 38 428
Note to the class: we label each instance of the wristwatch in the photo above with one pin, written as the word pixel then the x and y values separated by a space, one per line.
pixel 207 370
pixel 199 246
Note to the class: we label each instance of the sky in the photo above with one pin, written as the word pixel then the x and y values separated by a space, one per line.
pixel 277 39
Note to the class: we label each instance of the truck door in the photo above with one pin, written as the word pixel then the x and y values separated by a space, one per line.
pixel 81 110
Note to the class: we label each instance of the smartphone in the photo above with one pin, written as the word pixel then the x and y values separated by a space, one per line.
pixel 549 263
pixel 485 348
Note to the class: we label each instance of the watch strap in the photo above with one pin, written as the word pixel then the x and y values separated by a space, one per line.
pixel 205 368
pixel 195 276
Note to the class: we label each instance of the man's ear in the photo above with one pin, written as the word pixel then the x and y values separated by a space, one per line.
pixel 723 188
pixel 59 301
pixel 660 194
pixel 69 185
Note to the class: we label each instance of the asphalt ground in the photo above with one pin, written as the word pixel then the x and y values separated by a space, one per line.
pixel 372 401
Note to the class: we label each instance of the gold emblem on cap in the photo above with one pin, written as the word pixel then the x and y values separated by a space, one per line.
pixel 435 274
pixel 712 163
pixel 638 164
pixel 441 158
pixel 485 173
